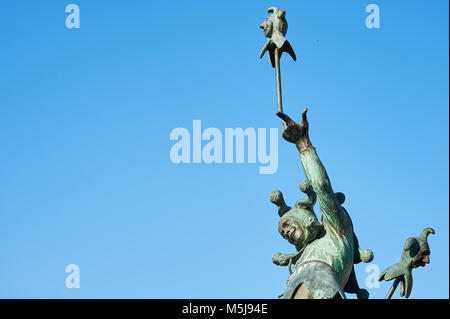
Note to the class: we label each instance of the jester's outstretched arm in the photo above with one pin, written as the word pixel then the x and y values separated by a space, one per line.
pixel 332 213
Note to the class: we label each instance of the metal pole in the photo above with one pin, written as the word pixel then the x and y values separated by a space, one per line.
pixel 277 71
pixel 392 290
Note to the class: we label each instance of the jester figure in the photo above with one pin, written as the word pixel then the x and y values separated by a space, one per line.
pixel 326 251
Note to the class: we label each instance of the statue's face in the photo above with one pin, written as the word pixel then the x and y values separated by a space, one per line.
pixel 291 229
pixel 423 257
pixel 267 26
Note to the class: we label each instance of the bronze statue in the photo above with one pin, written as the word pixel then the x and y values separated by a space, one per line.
pixel 329 248
pixel 326 251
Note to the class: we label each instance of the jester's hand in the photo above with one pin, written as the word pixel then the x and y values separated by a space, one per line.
pixel 281 259
pixel 296 133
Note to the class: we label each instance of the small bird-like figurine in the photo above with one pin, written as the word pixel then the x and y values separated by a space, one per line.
pixel 415 254
pixel 275 27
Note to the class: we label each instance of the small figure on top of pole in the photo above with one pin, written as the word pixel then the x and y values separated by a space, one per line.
pixel 275 27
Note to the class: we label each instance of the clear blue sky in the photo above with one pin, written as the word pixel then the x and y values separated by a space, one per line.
pixel 85 119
